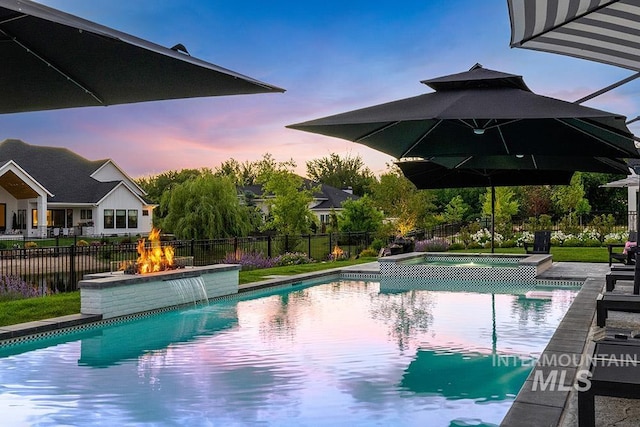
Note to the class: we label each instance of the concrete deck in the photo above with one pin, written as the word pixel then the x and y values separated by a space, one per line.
pixel 531 408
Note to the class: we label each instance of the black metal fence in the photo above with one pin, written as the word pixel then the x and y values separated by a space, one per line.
pixel 59 268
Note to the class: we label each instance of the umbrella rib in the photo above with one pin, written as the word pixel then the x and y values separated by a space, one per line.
pixel 506 147
pixel 50 65
pixel 421 138
pixel 595 136
pixel 380 129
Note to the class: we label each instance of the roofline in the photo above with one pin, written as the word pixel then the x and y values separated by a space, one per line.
pixel 121 171
pixel 122 183
pixel 7 166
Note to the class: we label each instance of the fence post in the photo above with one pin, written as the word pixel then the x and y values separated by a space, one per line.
pixel 309 245
pixel 235 246
pixel 269 246
pixel 193 250
pixel 72 267
pixel 330 245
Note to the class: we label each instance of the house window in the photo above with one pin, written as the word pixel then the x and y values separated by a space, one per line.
pixel 324 219
pixel 132 218
pixel 121 218
pixel 86 214
pixel 108 218
pixel 145 212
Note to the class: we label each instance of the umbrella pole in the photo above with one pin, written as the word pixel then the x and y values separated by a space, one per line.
pixel 493 217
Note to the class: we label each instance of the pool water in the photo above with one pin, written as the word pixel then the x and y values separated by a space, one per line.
pixel 332 354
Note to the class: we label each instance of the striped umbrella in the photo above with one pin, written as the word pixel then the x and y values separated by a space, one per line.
pixel 606 31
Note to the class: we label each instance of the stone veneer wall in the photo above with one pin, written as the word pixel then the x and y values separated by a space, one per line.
pixel 117 294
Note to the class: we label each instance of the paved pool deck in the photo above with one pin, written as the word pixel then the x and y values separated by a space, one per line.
pixel 531 408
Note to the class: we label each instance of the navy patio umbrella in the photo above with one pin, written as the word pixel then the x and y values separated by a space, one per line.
pixel 51 60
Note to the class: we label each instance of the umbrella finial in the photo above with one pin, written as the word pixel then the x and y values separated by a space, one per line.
pixel 180 48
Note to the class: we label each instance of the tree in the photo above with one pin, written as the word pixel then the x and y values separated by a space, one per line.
pixel 456 210
pixel 535 200
pixel 398 198
pixel 341 172
pixel 360 215
pixel 162 184
pixel 505 207
pixel 568 198
pixel 206 207
pixel 287 200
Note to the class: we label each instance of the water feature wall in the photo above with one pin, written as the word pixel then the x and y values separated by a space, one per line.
pixel 117 294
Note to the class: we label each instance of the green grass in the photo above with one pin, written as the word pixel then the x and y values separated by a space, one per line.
pixel 27 310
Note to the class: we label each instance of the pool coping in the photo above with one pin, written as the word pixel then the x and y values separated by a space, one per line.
pixel 530 408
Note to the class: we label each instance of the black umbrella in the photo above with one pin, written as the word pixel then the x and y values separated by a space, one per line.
pixel 484 112
pixel 602 31
pixel 51 60
pixel 502 171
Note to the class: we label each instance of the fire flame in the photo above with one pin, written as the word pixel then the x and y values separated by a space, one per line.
pixel 155 258
pixel 337 252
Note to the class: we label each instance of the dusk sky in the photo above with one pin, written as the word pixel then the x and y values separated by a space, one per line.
pixel 331 57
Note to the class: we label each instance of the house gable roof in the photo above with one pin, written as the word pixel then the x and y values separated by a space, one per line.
pixel 62 172
pixel 328 196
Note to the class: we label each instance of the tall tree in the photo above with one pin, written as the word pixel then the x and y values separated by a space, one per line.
pixel 206 207
pixel 505 204
pixel 288 201
pixel 360 215
pixel 398 198
pixel 341 172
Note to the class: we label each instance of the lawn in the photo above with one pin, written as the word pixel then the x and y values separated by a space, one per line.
pixel 27 310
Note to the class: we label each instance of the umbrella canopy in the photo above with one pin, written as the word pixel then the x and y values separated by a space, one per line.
pixel 497 171
pixel 603 30
pixel 484 112
pixel 55 60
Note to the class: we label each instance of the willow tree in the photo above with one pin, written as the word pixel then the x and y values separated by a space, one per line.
pixel 206 207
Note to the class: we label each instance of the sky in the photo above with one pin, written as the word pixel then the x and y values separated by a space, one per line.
pixel 330 56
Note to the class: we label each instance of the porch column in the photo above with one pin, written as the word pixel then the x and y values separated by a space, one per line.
pixel 42 215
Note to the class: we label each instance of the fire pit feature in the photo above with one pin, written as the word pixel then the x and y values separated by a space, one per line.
pixel 157 279
pixel 114 294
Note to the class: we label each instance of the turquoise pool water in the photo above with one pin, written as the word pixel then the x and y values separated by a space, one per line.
pixel 332 354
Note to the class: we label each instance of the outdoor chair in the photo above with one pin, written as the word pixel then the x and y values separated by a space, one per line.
pixel 541 243
pixel 615 302
pixel 613 373
pixel 626 256
pixel 613 276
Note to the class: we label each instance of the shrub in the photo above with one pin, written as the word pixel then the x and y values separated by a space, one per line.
pixel 292 258
pixel 249 260
pixel 432 245
pixel 369 252
pixel 13 287
pixel 456 246
pixel 377 244
pixel 573 242
pixel 82 243
pixel 30 245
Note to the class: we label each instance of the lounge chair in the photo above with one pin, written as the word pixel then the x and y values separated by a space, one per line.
pixel 541 243
pixel 613 276
pixel 615 302
pixel 614 372
pixel 626 256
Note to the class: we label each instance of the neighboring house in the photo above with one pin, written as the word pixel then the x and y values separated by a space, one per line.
pixel 46 191
pixel 327 199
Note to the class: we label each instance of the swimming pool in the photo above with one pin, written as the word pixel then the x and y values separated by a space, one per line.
pixel 337 353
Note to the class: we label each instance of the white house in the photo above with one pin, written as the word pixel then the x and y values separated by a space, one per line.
pixel 46 191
